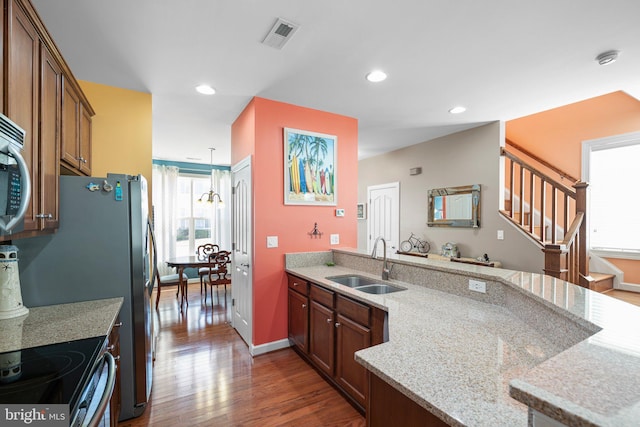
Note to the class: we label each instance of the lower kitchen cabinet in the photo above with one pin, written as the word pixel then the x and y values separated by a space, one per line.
pixel 338 326
pixel 387 406
pixel 299 320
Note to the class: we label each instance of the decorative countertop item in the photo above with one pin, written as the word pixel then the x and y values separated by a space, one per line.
pixel 10 293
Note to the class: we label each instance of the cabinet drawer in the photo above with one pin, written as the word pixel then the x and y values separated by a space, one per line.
pixel 299 285
pixel 353 310
pixel 321 295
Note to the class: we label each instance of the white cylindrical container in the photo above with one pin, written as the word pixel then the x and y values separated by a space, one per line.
pixel 10 294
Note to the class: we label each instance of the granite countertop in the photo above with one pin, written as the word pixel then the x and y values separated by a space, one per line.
pixel 467 361
pixel 59 323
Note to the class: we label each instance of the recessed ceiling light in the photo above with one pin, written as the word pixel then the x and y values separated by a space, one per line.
pixel 376 76
pixel 457 110
pixel 205 89
pixel 606 58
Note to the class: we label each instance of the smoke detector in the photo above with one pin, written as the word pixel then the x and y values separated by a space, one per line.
pixel 280 33
pixel 608 57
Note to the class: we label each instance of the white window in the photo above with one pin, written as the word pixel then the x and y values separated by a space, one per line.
pixel 194 218
pixel 611 166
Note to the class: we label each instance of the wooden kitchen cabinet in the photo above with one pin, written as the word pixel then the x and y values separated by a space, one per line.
pixel 352 335
pixel 75 146
pixel 35 78
pixel 33 101
pixel 299 320
pixel 338 327
pixel 113 347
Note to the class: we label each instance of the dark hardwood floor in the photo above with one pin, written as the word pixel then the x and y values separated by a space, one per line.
pixel 204 376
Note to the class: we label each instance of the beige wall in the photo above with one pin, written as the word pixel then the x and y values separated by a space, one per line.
pixel 469 157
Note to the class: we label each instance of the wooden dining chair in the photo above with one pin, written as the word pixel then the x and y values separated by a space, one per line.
pixel 219 273
pixel 203 253
pixel 168 280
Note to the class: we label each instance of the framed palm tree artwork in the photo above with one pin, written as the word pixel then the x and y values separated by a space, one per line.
pixel 310 168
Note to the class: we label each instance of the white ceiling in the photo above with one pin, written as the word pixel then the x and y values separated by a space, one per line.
pixel 502 59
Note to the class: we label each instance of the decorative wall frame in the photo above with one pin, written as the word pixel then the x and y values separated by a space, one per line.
pixel 310 165
pixel 361 211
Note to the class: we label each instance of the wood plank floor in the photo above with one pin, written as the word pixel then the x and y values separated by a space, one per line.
pixel 204 376
pixel 630 297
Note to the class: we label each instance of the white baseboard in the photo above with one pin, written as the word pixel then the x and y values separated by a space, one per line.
pixel 257 350
pixel 632 287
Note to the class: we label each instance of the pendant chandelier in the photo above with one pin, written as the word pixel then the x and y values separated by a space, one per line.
pixel 210 196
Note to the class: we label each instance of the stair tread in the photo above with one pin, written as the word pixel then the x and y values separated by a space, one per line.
pixel 601 276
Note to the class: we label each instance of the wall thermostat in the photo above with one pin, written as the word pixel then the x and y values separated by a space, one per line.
pixel 339 212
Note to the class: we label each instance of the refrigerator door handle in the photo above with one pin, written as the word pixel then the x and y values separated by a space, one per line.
pixel 154 256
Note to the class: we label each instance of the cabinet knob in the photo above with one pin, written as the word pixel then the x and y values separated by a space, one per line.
pixel 337 324
pixel 295 283
pixel 304 305
pixel 329 320
pixel 117 325
pixel 45 216
pixel 111 347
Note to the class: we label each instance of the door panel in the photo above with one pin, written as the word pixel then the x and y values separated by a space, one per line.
pixel 241 273
pixel 384 215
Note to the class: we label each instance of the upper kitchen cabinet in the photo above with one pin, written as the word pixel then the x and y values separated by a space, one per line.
pixel 36 80
pixel 75 151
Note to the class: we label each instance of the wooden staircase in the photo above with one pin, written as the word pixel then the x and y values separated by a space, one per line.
pixel 551 212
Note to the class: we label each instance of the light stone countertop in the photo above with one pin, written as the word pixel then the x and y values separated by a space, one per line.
pixel 465 360
pixel 59 323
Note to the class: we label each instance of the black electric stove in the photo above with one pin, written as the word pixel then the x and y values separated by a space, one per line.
pixel 50 374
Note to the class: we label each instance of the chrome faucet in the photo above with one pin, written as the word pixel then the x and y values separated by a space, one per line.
pixel 385 269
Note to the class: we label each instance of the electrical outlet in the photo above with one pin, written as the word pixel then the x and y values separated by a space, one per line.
pixel 272 241
pixel 335 239
pixel 500 234
pixel 477 286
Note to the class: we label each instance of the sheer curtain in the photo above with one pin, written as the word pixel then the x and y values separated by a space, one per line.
pixel 221 221
pixel 165 201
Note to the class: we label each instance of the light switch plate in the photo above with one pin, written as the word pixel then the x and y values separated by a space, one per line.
pixel 335 239
pixel 272 241
pixel 500 234
pixel 339 212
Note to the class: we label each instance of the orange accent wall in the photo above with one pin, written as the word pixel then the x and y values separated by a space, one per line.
pixel 556 136
pixel 259 131
pixel 630 267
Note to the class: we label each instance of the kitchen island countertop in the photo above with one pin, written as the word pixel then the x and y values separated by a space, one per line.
pixel 59 323
pixel 466 360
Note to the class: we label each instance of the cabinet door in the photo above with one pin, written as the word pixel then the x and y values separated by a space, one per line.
pixel 69 148
pixel 22 94
pixel 321 337
pixel 50 105
pixel 85 141
pixel 299 320
pixel 351 376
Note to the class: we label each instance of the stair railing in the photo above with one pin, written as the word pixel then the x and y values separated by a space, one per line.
pixel 550 213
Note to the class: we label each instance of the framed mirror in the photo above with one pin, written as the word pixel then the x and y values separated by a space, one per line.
pixel 454 206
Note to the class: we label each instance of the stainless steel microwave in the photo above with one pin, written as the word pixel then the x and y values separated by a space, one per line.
pixel 15 181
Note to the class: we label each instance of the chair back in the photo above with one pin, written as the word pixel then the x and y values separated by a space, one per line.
pixel 207 249
pixel 218 271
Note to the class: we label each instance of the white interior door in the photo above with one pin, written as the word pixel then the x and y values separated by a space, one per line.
pixel 384 215
pixel 242 250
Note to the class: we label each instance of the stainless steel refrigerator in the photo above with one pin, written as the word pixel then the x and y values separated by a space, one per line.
pixel 103 248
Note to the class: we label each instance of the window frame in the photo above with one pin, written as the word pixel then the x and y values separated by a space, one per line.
pixel 599 144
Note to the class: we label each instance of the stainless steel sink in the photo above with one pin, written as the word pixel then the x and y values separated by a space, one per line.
pixel 378 288
pixel 353 281
pixel 365 284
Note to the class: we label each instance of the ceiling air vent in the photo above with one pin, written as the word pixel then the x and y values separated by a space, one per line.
pixel 280 34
